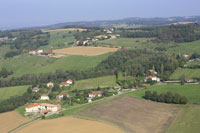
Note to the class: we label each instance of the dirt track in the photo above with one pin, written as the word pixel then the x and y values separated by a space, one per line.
pixel 133 114
pixel 85 51
pixel 69 125
pixel 11 120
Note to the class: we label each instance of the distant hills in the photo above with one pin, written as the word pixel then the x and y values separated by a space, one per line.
pixel 130 22
pixel 125 23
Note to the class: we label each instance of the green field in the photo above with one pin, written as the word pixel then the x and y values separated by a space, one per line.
pixel 134 43
pixel 3 50
pixel 187 121
pixel 189 73
pixel 7 92
pixel 57 41
pixel 192 92
pixel 106 81
pixel 26 64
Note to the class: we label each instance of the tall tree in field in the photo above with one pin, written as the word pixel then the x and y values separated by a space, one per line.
pixel 162 69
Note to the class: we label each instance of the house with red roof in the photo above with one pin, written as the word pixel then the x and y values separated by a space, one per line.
pixel 64 84
pixel 153 78
pixel 50 85
pixel 42 108
pixel 95 94
pixel 69 81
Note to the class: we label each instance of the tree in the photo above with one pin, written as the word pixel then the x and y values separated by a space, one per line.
pixel 162 69
pixel 176 98
pixel 183 100
pixel 168 97
pixel 29 90
pixel 182 79
pixel 154 96
pixel 148 95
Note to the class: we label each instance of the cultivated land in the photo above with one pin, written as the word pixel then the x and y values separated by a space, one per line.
pixel 189 73
pixel 106 81
pixel 69 125
pixel 11 120
pixel 7 92
pixel 187 121
pixel 26 64
pixel 132 114
pixel 85 51
pixel 192 92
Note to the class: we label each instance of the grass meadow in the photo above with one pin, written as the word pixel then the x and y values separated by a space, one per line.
pixel 189 73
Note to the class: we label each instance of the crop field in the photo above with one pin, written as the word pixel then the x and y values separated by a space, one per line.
pixel 189 73
pixel 69 125
pixel 187 121
pixel 7 92
pixel 132 114
pixel 26 64
pixel 134 43
pixel 11 120
pixel 68 29
pixel 106 81
pixel 192 92
pixel 85 51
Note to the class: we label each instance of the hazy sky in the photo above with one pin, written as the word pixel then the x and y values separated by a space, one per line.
pixel 18 13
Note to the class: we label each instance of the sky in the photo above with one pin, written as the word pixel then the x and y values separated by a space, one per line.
pixel 25 13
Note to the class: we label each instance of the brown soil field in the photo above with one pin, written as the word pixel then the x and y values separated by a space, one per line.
pixel 11 120
pixel 85 51
pixel 133 115
pixel 69 125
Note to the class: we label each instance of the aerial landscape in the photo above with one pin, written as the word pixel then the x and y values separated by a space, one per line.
pixel 100 67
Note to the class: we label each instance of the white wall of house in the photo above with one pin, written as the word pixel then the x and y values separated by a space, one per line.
pixel 44 98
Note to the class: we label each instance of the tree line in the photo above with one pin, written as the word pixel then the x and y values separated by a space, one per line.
pixel 168 97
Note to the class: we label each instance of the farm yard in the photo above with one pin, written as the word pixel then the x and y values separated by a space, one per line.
pixel 11 120
pixel 71 125
pixel 132 114
pixel 85 51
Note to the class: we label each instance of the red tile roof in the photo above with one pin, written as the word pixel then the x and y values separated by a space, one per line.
pixel 95 93
pixel 64 84
pixel 33 105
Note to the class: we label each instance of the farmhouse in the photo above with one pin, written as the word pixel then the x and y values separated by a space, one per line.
pixel 50 53
pixel 69 81
pixel 153 78
pixel 189 80
pixel 64 84
pixel 50 85
pixel 42 107
pixel 44 97
pixel 61 95
pixel 94 94
pixel 117 88
pixel 35 89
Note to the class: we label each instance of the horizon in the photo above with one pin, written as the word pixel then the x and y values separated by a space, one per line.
pixel 22 13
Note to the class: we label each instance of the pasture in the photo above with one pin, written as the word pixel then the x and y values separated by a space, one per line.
pixel 7 92
pixel 70 125
pixel 107 81
pixel 187 121
pixel 192 92
pixel 11 120
pixel 26 64
pixel 85 51
pixel 189 73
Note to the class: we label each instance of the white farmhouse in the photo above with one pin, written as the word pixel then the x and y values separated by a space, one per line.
pixel 153 78
pixel 32 108
pixel 35 89
pixel 50 85
pixel 69 81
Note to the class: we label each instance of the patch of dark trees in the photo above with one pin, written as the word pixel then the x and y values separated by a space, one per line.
pixel 168 97
pixel 4 73
pixel 175 33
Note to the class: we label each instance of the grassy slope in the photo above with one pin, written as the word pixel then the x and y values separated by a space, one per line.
pixel 3 50
pixel 187 121
pixel 26 64
pixel 95 82
pixel 57 41
pixel 7 92
pixel 189 73
pixel 128 42
pixel 191 91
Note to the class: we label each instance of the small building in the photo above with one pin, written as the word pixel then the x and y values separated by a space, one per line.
pixel 50 53
pixel 61 95
pixel 35 89
pixel 95 94
pixel 32 108
pixel 44 97
pixel 64 84
pixel 189 80
pixel 153 78
pixel 117 88
pixel 32 52
pixel 69 81
pixel 152 71
pixel 50 85
pixel 39 51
